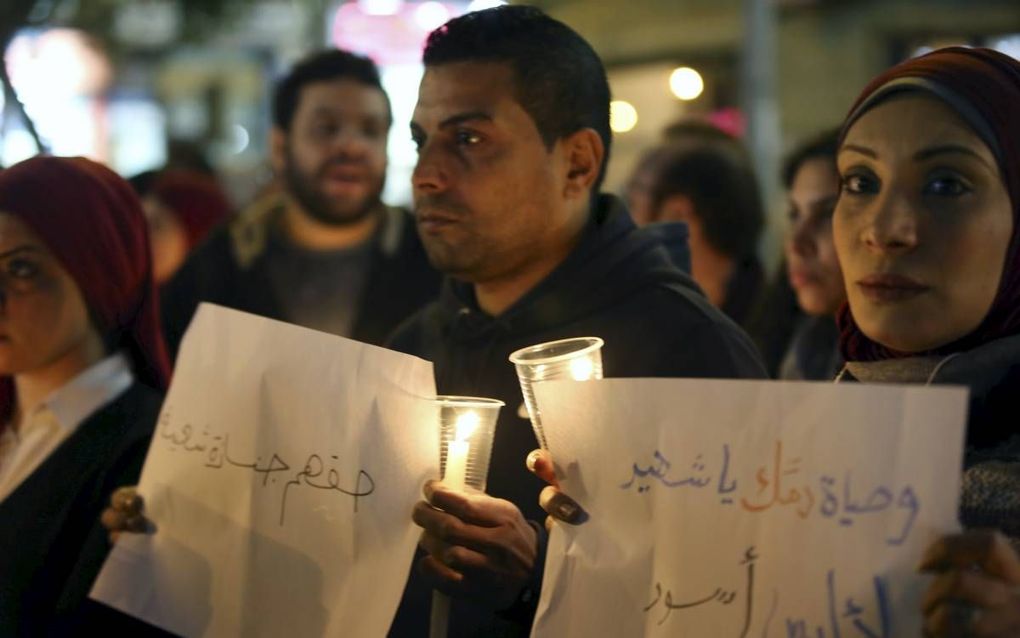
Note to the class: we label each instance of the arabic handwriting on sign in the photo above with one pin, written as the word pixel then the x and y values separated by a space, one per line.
pixel 216 452
pixel 313 469
pixel 726 487
pixel 189 440
pixel 749 558
pixel 216 455
pixel 852 613
pixel 879 499
pixel 659 470
pixel 720 596
pixel 773 480
pixel 907 501
pixel 829 498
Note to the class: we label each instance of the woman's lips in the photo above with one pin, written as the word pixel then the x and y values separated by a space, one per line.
pixel 800 278
pixel 888 287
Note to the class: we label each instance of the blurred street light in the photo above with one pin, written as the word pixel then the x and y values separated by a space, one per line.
pixel 622 116
pixel 686 83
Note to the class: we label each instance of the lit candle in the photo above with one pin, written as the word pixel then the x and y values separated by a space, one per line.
pixel 582 369
pixel 458 450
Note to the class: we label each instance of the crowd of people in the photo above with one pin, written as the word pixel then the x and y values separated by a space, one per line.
pixel 901 263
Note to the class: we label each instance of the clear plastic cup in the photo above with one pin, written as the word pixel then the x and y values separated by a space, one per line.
pixel 579 358
pixel 466 429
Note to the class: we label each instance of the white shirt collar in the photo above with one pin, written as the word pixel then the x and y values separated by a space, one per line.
pixel 93 388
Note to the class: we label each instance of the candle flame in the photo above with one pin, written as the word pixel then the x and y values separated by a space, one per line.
pixel 467 423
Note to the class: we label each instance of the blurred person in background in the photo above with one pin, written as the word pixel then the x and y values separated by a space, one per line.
pixel 82 371
pixel 927 229
pixel 181 207
pixel 323 252
pixel 708 184
pixel 691 131
pixel 796 328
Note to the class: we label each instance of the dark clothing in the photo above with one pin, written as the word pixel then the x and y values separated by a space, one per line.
pixel 617 284
pixel 813 354
pixel 773 321
pixel 234 268
pixel 743 290
pixel 51 542
pixel 316 286
pixel 673 236
pixel 990 491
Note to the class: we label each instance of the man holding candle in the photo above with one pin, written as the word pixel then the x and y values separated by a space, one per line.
pixel 512 127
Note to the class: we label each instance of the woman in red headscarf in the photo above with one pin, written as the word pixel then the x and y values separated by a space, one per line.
pixel 927 230
pixel 82 369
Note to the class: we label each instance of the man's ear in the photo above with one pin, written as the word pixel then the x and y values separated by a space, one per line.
pixel 676 208
pixel 277 149
pixel 583 152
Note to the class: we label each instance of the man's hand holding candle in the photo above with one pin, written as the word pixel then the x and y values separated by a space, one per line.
pixel 479 547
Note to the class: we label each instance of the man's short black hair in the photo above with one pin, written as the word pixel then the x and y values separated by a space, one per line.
pixel 322 66
pixel 559 79
pixel 720 182
pixel 823 146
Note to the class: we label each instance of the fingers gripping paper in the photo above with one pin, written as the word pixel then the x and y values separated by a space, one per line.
pixel 737 508
pixel 280 479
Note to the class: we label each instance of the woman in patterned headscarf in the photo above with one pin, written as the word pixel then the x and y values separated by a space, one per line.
pixel 927 229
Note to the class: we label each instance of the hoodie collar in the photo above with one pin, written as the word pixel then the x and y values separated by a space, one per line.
pixel 608 248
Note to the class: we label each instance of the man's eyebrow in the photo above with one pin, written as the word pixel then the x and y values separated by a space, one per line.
pixel 470 116
pixel 453 120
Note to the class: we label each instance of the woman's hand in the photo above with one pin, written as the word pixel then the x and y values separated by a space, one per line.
pixel 976 590
pixel 558 505
pixel 125 514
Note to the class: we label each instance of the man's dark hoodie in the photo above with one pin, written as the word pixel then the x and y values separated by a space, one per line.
pixel 618 284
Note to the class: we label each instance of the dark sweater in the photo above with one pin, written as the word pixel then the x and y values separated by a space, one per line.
pixel 51 542
pixel 617 284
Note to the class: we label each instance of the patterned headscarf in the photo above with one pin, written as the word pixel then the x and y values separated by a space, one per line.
pixel 983 87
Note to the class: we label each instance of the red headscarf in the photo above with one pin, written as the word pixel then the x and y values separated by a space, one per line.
pixel 983 87
pixel 195 199
pixel 92 221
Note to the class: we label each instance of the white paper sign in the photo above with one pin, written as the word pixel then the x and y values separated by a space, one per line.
pixel 281 480
pixel 739 508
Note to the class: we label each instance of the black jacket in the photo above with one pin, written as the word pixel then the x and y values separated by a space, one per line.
pixel 51 542
pixel 617 284
pixel 230 269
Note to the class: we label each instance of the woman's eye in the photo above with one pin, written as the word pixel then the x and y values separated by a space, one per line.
pixel 859 184
pixel 947 187
pixel 22 269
